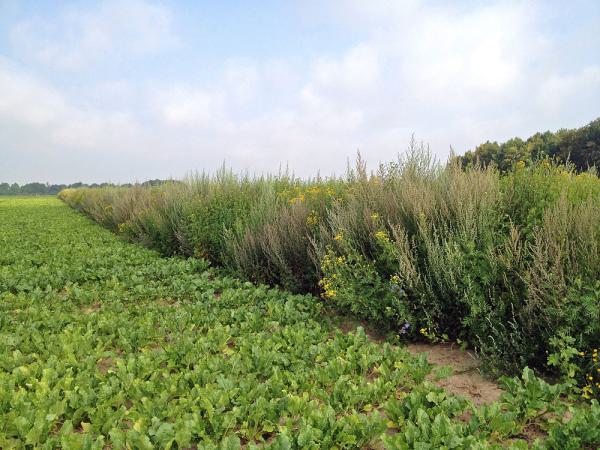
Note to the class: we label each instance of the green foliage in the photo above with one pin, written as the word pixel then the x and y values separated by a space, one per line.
pixel 273 243
pixel 106 344
pixel 580 147
pixel 427 418
pixel 37 188
pixel 563 356
pixel 354 284
pixel 505 262
pixel 581 431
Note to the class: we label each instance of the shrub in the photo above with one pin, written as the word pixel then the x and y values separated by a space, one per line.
pixel 273 244
pixel 506 262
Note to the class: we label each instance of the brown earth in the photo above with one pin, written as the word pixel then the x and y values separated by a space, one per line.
pixel 466 379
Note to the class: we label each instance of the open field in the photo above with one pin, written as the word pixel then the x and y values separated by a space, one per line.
pixel 196 255
pixel 104 344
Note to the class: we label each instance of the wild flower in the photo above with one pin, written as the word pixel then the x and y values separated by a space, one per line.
pixel 382 235
pixel 331 293
pixel 312 219
pixel 298 199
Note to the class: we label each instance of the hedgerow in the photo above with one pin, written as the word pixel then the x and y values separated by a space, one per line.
pixel 502 262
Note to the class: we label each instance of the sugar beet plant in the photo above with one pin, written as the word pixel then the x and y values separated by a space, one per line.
pixel 105 344
pixel 503 262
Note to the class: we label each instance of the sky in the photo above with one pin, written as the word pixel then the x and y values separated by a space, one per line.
pixel 129 90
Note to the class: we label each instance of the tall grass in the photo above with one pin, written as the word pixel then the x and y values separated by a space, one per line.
pixel 503 262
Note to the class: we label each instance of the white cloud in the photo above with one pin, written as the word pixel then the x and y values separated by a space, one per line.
pixel 357 69
pixel 279 75
pixel 481 51
pixel 209 106
pixel 24 100
pixel 240 80
pixel 53 122
pixel 78 37
pixel 567 91
pixel 189 106
pixel 453 73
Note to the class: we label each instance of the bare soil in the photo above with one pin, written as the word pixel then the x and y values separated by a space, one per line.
pixel 91 308
pixel 466 379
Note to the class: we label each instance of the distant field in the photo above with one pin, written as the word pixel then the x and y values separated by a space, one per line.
pixel 104 344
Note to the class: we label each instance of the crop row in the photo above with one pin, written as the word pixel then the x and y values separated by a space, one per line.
pixel 106 344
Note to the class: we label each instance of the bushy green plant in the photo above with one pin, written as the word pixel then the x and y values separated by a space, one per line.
pixel 505 262
pixel 581 431
pixel 273 243
pixel 216 203
pixel 353 283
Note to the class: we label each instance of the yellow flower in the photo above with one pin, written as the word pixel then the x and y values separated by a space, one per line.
pixel 298 199
pixel 312 218
pixel 374 216
pixel 382 235
pixel 338 237
pixel 395 279
pixel 330 293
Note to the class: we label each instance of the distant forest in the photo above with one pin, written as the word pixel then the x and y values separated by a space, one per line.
pixel 53 189
pixel 580 147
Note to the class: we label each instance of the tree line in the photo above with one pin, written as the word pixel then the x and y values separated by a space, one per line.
pixel 579 147
pixel 37 188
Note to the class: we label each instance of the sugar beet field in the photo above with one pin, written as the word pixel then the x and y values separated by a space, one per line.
pixel 106 344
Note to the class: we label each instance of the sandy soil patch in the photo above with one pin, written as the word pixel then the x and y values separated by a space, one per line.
pixel 466 379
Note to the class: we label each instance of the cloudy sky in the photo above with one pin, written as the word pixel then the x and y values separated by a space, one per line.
pixel 126 90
